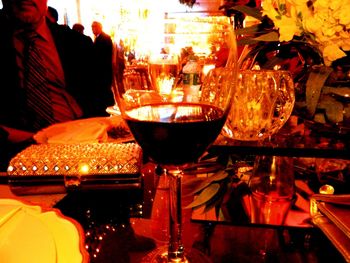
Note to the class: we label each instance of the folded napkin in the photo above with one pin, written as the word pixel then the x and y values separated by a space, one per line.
pixel 90 130
pixel 30 234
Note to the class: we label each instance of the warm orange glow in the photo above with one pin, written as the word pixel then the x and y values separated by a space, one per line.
pixel 173 34
pixel 84 168
pixel 195 32
pixel 165 84
pixel 163 70
pixel 145 27
pixel 207 68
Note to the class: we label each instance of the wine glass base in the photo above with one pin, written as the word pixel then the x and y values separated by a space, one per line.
pixel 159 255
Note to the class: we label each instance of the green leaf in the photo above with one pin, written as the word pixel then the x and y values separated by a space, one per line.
pixel 268 37
pixel 216 201
pixel 325 101
pixel 220 215
pixel 320 118
pixel 246 41
pixel 218 176
pixel 282 8
pixel 250 11
pixel 207 194
pixel 212 204
pixel 192 183
pixel 247 30
pixel 334 112
pixel 347 112
pixel 340 91
pixel 314 84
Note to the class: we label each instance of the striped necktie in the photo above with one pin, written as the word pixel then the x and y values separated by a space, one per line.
pixel 35 83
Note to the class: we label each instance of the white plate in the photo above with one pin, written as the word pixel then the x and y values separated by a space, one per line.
pixel 29 234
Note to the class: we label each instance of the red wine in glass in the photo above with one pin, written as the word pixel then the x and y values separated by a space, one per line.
pixel 175 134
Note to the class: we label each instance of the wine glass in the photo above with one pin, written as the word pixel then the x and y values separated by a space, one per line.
pixel 174 129
pixel 272 189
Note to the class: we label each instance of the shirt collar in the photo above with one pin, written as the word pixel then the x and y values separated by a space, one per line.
pixel 42 30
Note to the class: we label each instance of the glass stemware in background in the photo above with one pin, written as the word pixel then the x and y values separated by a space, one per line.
pixel 272 193
pixel 263 102
pixel 163 70
pixel 174 129
pixel 272 189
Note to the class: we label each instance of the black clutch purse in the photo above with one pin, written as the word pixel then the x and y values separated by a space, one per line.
pixel 56 168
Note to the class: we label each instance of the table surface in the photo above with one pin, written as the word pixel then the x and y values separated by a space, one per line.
pixel 295 139
pixel 220 241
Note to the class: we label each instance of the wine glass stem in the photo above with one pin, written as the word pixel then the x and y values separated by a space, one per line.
pixel 176 248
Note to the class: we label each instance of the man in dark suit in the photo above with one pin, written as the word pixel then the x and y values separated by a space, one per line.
pixel 68 75
pixel 103 51
pixel 69 72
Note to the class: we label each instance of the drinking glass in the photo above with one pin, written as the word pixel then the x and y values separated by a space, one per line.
pixel 173 129
pixel 263 102
pixel 272 189
pixel 163 70
pixel 272 193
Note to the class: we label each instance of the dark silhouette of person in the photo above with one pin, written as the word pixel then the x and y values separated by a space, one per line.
pixel 52 14
pixel 103 52
pixel 120 65
pixel 69 80
pixel 79 28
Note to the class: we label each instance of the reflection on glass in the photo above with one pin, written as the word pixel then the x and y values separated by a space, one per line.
pixel 272 189
pixel 263 102
pixel 163 70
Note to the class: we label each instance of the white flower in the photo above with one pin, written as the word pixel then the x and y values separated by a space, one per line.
pixel 332 52
pixel 325 24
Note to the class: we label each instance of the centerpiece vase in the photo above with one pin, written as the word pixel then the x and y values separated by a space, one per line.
pixel 322 93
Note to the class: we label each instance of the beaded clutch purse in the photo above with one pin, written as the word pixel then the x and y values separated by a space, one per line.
pixel 54 168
